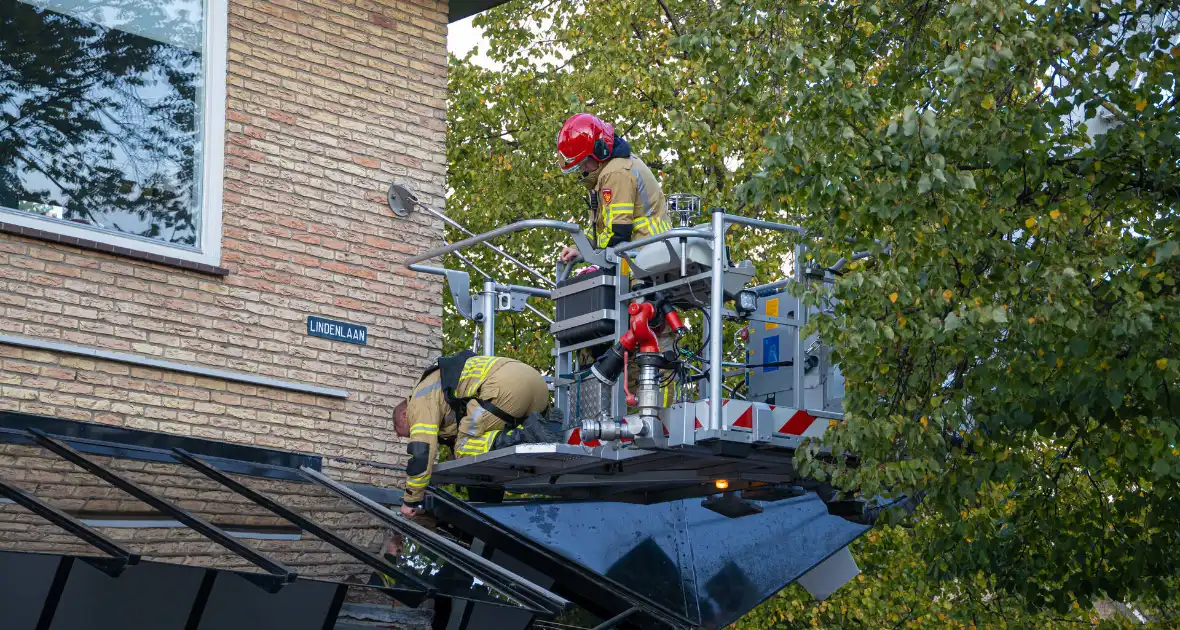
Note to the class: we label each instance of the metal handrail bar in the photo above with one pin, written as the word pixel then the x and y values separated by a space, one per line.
pixel 769 225
pixel 504 230
pixel 439 271
pixel 618 250
pixel 459 226
pixel 720 224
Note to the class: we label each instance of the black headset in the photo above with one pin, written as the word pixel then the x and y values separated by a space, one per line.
pixel 601 151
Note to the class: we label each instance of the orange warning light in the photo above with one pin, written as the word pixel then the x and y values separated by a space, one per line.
pixel 721 484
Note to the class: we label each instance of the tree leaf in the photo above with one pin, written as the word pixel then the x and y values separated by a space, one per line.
pixel 909 121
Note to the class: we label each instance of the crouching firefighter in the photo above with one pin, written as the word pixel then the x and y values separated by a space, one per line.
pixel 498 402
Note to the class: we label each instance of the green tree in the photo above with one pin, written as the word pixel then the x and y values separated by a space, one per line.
pixel 1012 358
pixel 1010 347
pixel 895 590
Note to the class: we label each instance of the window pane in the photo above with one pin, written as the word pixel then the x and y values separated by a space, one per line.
pixel 100 114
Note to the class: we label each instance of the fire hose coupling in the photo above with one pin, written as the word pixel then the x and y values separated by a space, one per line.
pixel 608 429
pixel 640 338
pixel 609 366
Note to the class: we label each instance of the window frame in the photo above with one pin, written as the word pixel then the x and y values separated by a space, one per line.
pixel 215 68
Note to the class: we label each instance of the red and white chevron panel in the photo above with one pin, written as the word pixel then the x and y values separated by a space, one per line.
pixel 741 415
pixel 574 437
pixel 797 422
pixel 738 414
pixel 764 420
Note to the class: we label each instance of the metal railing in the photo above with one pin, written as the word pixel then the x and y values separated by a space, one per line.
pixel 491 286
pixel 580 239
pixel 715 234
pixel 720 224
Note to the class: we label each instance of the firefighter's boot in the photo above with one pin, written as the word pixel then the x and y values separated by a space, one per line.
pixel 532 431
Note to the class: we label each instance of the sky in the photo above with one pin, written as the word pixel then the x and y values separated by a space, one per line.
pixel 462 36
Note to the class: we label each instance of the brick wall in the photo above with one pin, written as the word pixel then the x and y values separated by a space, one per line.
pixel 328 100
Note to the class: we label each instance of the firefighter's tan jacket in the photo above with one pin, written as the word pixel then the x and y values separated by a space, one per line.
pixel 512 386
pixel 627 192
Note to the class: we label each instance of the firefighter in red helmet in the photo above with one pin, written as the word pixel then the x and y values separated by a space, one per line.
pixel 626 201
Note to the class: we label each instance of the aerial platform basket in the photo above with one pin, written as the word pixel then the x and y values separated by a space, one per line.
pixel 755 450
pixel 650 493
pixel 785 400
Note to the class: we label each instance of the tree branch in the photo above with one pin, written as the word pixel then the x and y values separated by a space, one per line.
pixel 671 21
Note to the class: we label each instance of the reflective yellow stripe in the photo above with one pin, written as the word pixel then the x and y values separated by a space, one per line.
pixel 478 446
pixel 646 226
pixel 490 439
pixel 430 429
pixel 476 368
pixel 653 225
pixel 418 483
pixel 471 445
pixel 615 214
pixel 614 211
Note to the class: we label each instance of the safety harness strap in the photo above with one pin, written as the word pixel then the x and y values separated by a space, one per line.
pixel 450 373
pixel 508 418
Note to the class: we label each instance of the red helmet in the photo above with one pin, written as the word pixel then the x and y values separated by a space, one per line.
pixel 584 136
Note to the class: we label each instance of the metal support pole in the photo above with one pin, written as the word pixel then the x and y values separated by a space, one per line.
pixel 623 249
pixel 120 557
pixel 588 252
pixel 446 273
pixel 303 522
pixel 512 259
pixel 531 597
pixel 277 574
pixel 770 288
pixel 616 620
pixel 801 317
pixel 716 306
pixel 562 362
pixel 489 318
pixel 618 398
pixel 533 291
pixel 769 225
pixel 825 354
pixel 488 276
